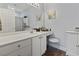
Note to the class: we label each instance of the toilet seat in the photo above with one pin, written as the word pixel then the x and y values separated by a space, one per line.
pixel 53 40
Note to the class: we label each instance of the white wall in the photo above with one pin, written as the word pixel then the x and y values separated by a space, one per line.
pixel 67 19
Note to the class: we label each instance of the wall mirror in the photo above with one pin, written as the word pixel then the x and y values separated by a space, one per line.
pixel 27 15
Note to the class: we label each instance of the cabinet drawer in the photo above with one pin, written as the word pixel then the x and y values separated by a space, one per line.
pixel 14 46
pixel 26 51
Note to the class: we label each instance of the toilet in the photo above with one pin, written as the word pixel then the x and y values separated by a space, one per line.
pixel 53 41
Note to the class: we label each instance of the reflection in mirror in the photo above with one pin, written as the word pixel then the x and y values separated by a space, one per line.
pixel 26 16
pixel 25 22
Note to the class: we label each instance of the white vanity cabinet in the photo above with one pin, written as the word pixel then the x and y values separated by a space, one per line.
pixel 38 45
pixel 30 46
pixel 72 44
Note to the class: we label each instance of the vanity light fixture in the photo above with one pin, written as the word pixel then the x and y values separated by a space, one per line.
pixel 51 14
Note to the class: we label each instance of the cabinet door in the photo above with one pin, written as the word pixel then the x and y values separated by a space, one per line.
pixel 36 46
pixel 71 44
pixel 43 44
pixel 26 51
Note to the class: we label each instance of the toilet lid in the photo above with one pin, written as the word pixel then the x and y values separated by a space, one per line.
pixel 53 40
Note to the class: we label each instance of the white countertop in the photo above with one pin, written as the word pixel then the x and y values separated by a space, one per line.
pixel 6 38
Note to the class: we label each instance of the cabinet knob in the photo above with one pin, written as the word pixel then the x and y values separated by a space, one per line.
pixel 19 46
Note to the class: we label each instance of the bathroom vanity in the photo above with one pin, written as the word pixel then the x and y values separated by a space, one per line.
pixel 72 43
pixel 23 44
